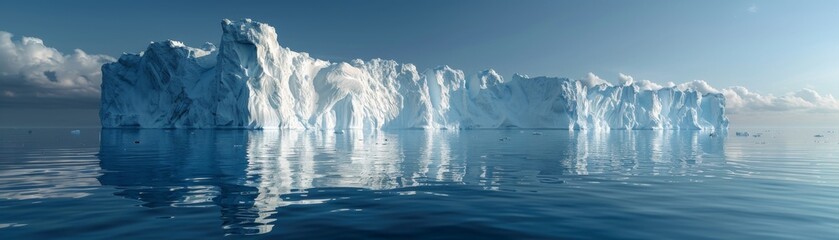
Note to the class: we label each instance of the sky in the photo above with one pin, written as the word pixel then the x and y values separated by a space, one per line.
pixel 775 49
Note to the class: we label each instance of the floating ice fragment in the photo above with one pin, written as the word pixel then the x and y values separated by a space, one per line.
pixel 11 225
pixel 76 132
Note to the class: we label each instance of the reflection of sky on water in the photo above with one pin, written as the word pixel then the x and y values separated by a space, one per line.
pixel 251 174
pixel 41 165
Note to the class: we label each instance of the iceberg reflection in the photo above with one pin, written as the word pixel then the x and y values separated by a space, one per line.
pixel 250 175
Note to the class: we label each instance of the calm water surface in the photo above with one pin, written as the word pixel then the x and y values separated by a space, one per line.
pixel 498 184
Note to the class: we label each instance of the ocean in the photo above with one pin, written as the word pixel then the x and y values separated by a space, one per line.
pixel 776 183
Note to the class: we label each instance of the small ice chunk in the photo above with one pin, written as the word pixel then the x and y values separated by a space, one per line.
pixel 537 133
pixel 742 134
pixel 11 225
pixel 339 132
pixel 76 132
pixel 818 135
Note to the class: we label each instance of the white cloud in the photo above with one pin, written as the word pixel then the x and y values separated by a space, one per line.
pixel 742 100
pixel 593 80
pixel 698 85
pixel 32 74
pixel 752 9
pixel 625 80
pixel 647 85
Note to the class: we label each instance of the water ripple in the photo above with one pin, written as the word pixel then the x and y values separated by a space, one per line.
pixel 308 184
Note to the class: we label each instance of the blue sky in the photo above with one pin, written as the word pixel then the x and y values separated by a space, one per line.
pixel 771 47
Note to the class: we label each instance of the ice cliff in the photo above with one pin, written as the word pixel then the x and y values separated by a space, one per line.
pixel 250 81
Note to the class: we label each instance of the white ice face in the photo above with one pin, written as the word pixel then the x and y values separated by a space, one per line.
pixel 250 81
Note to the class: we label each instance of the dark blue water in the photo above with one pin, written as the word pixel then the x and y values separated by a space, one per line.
pixel 189 184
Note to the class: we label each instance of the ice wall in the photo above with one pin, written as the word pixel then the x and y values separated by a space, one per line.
pixel 250 81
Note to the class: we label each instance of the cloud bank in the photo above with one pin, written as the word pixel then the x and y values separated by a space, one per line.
pixel 35 75
pixel 740 99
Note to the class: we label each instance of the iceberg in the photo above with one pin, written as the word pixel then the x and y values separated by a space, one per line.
pixel 250 81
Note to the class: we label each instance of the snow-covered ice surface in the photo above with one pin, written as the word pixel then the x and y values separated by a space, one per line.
pixel 250 81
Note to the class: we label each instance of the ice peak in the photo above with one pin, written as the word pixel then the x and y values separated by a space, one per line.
pixel 248 31
pixel 490 73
